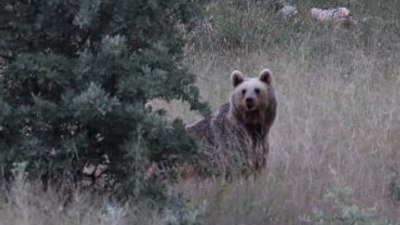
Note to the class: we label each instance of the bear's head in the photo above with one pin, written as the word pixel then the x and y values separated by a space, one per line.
pixel 251 97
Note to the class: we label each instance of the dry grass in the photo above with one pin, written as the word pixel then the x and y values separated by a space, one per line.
pixel 338 125
pixel 27 204
pixel 331 131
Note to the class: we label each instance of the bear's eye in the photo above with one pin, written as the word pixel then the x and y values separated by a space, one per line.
pixel 243 91
pixel 257 91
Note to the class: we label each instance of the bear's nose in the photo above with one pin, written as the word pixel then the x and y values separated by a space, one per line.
pixel 249 102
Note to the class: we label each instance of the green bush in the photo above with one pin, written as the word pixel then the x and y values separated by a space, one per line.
pixel 77 77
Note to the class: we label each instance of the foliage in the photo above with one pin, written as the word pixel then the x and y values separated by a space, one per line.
pixel 346 213
pixel 186 216
pixel 78 75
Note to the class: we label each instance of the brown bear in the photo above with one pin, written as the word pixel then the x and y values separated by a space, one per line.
pixel 238 131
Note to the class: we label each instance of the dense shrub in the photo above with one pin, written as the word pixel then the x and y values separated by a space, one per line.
pixel 77 77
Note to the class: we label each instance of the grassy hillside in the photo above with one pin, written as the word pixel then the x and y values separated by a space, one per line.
pixel 337 134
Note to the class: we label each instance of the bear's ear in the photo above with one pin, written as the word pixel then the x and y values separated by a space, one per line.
pixel 236 77
pixel 265 76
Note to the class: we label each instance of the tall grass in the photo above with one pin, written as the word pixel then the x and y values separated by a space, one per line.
pixel 338 110
pixel 338 121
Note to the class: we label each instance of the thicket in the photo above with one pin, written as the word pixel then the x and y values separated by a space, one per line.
pixel 77 75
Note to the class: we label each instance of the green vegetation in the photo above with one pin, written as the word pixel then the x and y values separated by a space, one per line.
pixel 347 213
pixel 78 75
pixel 338 119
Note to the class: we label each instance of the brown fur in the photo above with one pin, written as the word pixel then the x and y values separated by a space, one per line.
pixel 239 134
